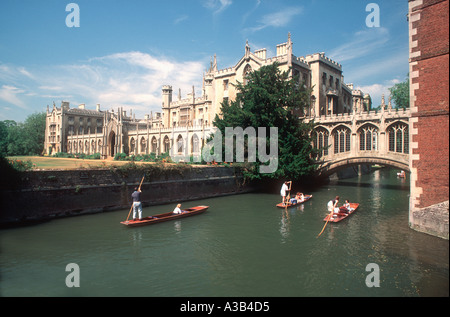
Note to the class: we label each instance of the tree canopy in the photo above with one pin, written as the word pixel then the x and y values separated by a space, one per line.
pixel 400 93
pixel 25 138
pixel 271 98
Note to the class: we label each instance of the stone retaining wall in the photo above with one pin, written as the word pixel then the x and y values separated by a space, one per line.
pixel 49 194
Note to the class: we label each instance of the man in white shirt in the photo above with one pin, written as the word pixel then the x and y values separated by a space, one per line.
pixel 284 190
pixel 177 209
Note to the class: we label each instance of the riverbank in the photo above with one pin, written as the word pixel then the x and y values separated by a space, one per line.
pixel 42 195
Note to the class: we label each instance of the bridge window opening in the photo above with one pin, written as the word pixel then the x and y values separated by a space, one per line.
pixel 368 138
pixel 399 138
pixel 342 140
pixel 320 142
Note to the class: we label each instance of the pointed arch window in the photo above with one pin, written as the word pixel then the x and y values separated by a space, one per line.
pixel 320 141
pixel 342 140
pixel 368 138
pixel 399 138
pixel 247 70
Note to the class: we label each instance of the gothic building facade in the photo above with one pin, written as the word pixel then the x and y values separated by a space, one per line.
pixel 185 123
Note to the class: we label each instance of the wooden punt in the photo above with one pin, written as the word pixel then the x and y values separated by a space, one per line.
pixel 165 217
pixel 342 216
pixel 281 205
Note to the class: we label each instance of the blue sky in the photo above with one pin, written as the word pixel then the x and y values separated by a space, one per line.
pixel 124 51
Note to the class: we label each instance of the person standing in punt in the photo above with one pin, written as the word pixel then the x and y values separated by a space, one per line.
pixel 332 206
pixel 284 189
pixel 137 205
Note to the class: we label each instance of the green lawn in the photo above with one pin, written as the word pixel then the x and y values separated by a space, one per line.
pixel 41 162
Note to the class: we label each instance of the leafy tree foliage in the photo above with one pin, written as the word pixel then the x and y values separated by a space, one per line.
pixel 270 98
pixel 400 93
pixel 25 138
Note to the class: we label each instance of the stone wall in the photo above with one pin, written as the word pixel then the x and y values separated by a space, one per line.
pixel 49 194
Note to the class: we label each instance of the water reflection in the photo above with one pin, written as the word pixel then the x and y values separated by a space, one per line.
pixel 177 226
pixel 284 225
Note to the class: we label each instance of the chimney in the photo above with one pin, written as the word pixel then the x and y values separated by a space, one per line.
pixel 98 107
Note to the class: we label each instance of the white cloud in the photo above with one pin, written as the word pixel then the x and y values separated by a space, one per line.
pixel 377 90
pixel 180 19
pixel 375 67
pixel 361 44
pixel 277 19
pixel 132 80
pixel 217 6
pixel 10 94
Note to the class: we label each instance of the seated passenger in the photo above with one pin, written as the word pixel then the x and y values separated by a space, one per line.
pixel 177 210
pixel 346 207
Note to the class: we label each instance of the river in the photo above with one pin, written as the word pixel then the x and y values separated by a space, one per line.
pixel 242 246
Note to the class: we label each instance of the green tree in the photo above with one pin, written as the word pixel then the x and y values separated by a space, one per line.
pixel 400 93
pixel 23 138
pixel 34 133
pixel 3 139
pixel 270 98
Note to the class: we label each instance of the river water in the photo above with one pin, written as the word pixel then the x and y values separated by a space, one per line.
pixel 242 246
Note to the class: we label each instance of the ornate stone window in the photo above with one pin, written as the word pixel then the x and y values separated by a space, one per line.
pixel 247 70
pixel 368 138
pixel 154 145
pixel 132 145
pixel 143 144
pixel 320 141
pixel 195 144
pixel 399 138
pixel 166 144
pixel 342 140
pixel 180 144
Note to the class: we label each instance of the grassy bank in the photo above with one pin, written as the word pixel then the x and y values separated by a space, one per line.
pixel 48 163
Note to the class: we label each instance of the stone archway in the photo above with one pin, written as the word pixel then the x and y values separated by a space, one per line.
pixel 112 144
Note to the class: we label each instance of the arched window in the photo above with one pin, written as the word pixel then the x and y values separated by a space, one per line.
pixel 180 144
pixel 320 141
pixel 399 138
pixel 341 140
pixel 143 144
pixel 166 144
pixel 247 70
pixel 368 138
pixel 154 145
pixel 132 145
pixel 195 144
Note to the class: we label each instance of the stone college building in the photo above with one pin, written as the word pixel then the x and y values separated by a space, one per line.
pixel 184 124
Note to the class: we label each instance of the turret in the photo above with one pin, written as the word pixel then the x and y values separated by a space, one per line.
pixel 167 100
pixel 167 95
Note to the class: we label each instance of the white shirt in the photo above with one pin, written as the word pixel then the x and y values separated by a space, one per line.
pixel 283 190
pixel 177 210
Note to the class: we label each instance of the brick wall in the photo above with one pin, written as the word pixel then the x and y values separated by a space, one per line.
pixel 429 89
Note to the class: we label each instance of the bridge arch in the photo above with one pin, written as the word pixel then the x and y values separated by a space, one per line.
pixel 328 168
